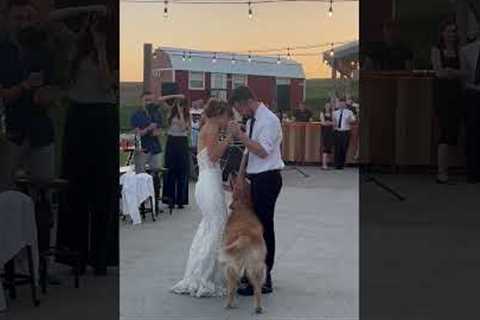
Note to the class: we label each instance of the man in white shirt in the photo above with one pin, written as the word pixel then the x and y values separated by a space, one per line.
pixel 342 120
pixel 263 139
pixel 470 64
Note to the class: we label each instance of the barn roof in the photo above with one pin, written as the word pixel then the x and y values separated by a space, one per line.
pixel 201 61
pixel 348 51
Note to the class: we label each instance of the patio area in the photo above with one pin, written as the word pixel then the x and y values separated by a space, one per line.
pixel 316 270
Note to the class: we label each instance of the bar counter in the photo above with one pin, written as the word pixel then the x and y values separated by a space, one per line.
pixel 398 120
pixel 302 143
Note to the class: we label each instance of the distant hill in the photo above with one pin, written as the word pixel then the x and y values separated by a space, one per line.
pixel 130 93
pixel 317 89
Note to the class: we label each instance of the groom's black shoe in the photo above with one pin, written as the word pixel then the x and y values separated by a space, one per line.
pixel 247 289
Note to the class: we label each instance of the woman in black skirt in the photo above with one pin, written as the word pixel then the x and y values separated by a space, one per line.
pixel 326 119
pixel 88 218
pixel 177 154
pixel 448 94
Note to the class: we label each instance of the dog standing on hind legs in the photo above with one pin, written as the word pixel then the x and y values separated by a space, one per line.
pixel 244 248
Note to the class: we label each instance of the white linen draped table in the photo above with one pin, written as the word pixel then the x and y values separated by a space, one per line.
pixel 18 230
pixel 136 188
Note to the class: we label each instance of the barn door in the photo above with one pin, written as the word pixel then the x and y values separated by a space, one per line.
pixel 283 94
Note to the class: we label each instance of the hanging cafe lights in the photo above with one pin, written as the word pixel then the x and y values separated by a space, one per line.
pixel 249 3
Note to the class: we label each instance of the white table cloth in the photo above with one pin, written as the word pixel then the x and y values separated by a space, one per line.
pixel 18 229
pixel 136 188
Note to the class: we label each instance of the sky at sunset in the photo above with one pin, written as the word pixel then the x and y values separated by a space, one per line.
pixel 227 28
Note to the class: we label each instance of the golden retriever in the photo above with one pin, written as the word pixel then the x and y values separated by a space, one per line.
pixel 244 249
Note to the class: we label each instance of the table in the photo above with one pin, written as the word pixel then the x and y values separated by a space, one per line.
pixel 136 188
pixel 302 142
pixel 18 231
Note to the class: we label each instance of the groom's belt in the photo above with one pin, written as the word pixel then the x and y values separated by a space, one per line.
pixel 264 173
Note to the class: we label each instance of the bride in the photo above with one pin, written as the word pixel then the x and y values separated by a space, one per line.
pixel 203 277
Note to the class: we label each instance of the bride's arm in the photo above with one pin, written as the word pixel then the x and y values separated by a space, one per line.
pixel 215 148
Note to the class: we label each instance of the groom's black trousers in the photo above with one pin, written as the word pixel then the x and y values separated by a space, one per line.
pixel 266 187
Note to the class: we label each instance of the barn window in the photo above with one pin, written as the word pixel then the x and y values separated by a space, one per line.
pixel 219 85
pixel 283 81
pixel 196 80
pixel 239 80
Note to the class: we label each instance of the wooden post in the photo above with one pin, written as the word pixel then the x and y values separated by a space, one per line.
pixel 147 67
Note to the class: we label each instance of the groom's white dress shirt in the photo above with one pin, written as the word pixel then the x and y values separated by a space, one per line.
pixel 267 131
pixel 468 59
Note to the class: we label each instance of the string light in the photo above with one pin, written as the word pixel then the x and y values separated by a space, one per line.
pixel 189 56
pixel 289 57
pixel 233 59
pixel 332 53
pixel 330 10
pixel 183 56
pixel 214 57
pixel 165 9
pixel 249 58
pixel 250 11
pixel 278 60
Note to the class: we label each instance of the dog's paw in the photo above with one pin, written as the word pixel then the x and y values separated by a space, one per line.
pixel 258 310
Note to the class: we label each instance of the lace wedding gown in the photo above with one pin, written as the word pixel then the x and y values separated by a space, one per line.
pixel 203 277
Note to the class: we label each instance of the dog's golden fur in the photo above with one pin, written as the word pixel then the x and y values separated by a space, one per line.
pixel 244 248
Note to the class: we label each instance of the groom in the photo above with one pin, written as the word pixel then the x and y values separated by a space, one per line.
pixel 263 139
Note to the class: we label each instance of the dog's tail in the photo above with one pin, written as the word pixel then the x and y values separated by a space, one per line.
pixel 240 243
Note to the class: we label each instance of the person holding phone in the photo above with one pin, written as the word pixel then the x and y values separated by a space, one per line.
pixel 25 76
pixel 175 191
pixel 90 153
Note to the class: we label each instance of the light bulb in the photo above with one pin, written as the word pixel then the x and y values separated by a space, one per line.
pixel 214 57
pixel 183 56
pixel 165 10
pixel 250 11
pixel 330 12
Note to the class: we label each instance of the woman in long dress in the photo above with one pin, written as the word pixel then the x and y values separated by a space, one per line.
pixel 326 119
pixel 448 94
pixel 203 276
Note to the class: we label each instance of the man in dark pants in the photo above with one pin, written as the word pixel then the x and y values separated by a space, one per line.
pixel 263 139
pixel 470 63
pixel 342 119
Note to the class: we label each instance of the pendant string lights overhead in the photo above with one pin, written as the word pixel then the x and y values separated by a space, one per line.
pixel 249 3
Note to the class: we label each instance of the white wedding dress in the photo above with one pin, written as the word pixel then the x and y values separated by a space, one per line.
pixel 203 276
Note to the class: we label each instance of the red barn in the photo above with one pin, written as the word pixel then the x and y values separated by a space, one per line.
pixel 200 75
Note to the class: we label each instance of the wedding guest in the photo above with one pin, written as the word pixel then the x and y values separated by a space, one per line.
pixel 448 94
pixel 303 114
pixel 326 119
pixel 90 155
pixel 470 65
pixel 175 191
pixel 148 130
pixel 342 119
pixel 25 78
